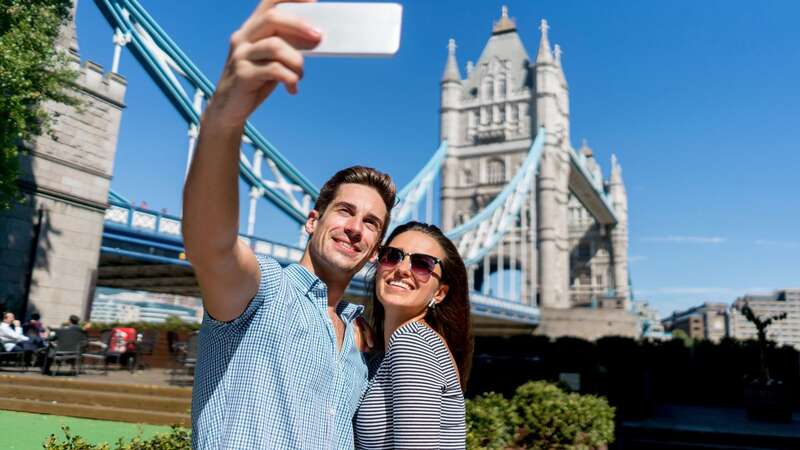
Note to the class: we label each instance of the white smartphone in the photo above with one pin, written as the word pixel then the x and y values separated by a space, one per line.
pixel 351 29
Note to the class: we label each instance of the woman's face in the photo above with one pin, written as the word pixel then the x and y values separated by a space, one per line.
pixel 406 289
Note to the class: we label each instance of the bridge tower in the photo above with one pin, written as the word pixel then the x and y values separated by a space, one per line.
pixel 51 242
pixel 557 256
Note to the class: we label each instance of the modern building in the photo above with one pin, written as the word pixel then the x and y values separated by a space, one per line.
pixel 783 332
pixel 707 321
pixel 131 306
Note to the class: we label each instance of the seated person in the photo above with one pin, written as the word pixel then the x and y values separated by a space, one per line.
pixel 55 346
pixel 11 335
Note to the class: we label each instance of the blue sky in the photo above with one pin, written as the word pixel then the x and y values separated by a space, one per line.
pixel 699 100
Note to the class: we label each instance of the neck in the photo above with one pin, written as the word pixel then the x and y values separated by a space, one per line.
pixel 393 321
pixel 336 283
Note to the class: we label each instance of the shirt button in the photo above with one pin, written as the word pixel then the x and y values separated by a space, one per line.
pixel 332 412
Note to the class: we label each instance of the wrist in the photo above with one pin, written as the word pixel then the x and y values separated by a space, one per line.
pixel 220 123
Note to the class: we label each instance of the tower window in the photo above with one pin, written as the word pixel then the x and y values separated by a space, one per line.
pixel 496 171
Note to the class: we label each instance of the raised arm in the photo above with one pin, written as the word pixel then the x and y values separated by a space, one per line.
pixel 262 54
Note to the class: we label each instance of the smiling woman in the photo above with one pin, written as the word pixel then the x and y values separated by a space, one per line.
pixel 422 330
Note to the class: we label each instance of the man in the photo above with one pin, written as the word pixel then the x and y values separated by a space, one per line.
pixel 11 335
pixel 71 337
pixel 278 367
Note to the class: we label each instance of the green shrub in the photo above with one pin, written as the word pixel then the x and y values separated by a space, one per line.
pixel 491 422
pixel 177 439
pixel 553 419
pixel 171 323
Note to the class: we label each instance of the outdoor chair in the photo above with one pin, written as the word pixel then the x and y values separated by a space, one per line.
pixel 15 357
pixel 185 357
pixel 145 345
pixel 67 347
pixel 105 352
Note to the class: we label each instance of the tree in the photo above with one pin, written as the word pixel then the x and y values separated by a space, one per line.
pixel 32 71
pixel 762 324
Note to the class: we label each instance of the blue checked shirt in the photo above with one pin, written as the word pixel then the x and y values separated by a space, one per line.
pixel 273 378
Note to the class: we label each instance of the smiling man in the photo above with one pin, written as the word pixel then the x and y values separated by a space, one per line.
pixel 277 367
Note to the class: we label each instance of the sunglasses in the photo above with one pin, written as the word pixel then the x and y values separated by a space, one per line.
pixel 422 265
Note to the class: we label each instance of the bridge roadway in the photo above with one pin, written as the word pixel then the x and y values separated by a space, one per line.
pixel 143 250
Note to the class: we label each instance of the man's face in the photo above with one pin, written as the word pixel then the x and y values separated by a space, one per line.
pixel 8 318
pixel 346 235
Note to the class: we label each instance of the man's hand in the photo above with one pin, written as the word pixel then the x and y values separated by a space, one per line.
pixel 263 53
pixel 364 337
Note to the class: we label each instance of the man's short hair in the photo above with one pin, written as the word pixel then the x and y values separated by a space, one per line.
pixel 73 319
pixel 365 176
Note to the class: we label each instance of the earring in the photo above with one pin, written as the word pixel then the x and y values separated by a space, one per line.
pixel 432 304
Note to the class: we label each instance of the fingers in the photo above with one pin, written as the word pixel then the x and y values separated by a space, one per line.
pixel 269 71
pixel 271 22
pixel 275 49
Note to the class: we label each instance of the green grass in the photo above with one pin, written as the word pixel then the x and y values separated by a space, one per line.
pixel 24 431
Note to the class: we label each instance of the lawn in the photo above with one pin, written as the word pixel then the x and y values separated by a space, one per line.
pixel 24 431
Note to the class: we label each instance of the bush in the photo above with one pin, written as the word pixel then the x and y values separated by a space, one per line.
pixel 553 419
pixel 491 422
pixel 177 439
pixel 172 323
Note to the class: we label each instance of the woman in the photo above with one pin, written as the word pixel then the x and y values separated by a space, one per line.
pixel 421 321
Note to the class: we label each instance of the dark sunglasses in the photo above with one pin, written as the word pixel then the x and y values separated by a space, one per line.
pixel 422 265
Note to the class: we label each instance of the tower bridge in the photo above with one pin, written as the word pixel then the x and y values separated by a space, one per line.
pixel 542 232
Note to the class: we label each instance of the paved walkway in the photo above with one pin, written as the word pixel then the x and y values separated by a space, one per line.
pixel 151 376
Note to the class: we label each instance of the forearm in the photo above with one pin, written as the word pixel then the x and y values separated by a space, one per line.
pixel 211 193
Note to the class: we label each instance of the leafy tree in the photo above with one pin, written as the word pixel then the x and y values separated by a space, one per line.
pixel 32 71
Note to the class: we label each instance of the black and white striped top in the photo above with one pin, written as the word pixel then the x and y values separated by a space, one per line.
pixel 413 399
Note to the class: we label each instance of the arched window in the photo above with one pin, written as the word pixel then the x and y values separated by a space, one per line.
pixel 496 171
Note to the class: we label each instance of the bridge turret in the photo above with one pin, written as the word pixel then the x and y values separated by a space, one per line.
pixel 449 131
pixel 619 234
pixel 553 185
pixel 451 96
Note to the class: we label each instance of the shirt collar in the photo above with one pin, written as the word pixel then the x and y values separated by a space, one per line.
pixel 312 286
pixel 307 282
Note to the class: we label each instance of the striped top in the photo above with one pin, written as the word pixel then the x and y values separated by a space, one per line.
pixel 413 399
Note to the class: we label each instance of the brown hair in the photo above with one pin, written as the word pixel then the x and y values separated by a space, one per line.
pixel 451 317
pixel 366 176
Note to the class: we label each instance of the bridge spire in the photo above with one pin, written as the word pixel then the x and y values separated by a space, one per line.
pixel 544 55
pixel 451 72
pixel 505 24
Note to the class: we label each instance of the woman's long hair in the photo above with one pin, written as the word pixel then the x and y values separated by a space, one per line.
pixel 451 317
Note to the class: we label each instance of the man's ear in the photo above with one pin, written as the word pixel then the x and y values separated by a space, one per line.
pixel 373 257
pixel 311 221
pixel 441 293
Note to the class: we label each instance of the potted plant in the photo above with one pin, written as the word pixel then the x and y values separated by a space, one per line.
pixel 766 398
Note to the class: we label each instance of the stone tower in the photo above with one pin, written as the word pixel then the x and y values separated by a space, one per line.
pixel 51 242
pixel 489 119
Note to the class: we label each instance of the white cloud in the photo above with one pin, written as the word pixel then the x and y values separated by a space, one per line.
pixel 686 239
pixel 637 258
pixel 781 244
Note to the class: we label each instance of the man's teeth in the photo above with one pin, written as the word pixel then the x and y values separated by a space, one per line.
pixel 400 284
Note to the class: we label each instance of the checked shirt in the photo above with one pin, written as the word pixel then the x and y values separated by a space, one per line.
pixel 273 378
